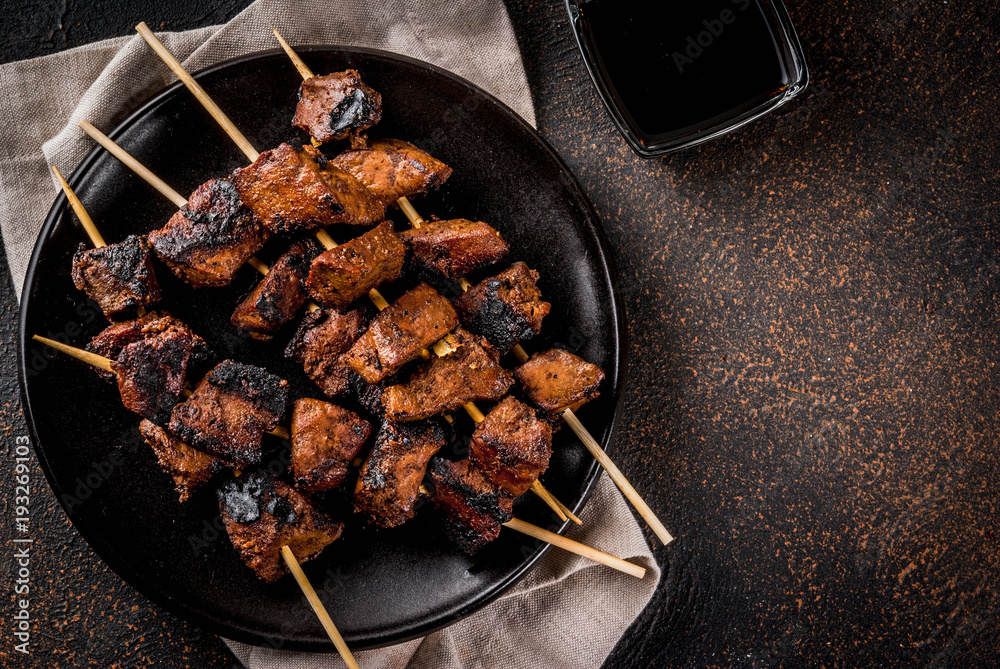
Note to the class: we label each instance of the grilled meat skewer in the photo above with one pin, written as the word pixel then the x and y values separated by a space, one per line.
pixel 453 248
pixel 187 466
pixel 390 478
pixel 512 446
pixel 337 106
pixel 468 374
pixel 277 298
pixel 474 508
pixel 392 168
pixel 325 439
pixel 323 336
pixel 119 277
pixel 506 308
pixel 211 237
pixel 556 380
pixel 229 412
pixel 341 275
pixel 110 341
pixel 400 332
pixel 262 515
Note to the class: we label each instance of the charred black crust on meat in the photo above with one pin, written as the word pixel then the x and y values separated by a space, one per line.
pixel 120 276
pixel 496 320
pixel 252 382
pixel 241 498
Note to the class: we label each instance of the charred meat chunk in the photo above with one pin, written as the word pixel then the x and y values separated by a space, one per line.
pixel 322 337
pixel 229 412
pixel 325 438
pixel 512 446
pixel 344 273
pixel 151 374
pixel 292 190
pixel 392 168
pixel 454 248
pixel 471 372
pixel 279 295
pixel 474 508
pixel 556 380
pixel 337 105
pixel 505 308
pixel 210 237
pixel 119 277
pixel 262 515
pixel 110 341
pixel 400 332
pixel 188 467
pixel 390 478
pixel 369 395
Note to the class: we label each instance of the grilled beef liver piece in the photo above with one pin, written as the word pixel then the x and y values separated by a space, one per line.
pixel 322 337
pixel 119 277
pixel 505 308
pixel 262 515
pixel 151 374
pixel 110 341
pixel 229 412
pixel 474 508
pixel 556 380
pixel 341 275
pixel 279 295
pixel 293 190
pixel 325 438
pixel 207 241
pixel 335 106
pixel 512 446
pixel 454 248
pixel 392 169
pixel 470 373
pixel 391 475
pixel 400 332
pixel 188 467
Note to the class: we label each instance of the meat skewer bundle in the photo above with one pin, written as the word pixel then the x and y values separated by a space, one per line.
pixel 221 422
pixel 233 434
pixel 286 290
pixel 566 411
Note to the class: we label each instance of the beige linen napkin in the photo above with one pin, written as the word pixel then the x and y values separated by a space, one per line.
pixel 569 612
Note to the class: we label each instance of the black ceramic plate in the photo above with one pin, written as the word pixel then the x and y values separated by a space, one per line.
pixel 383 586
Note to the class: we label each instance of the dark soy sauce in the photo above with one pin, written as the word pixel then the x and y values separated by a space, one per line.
pixel 676 68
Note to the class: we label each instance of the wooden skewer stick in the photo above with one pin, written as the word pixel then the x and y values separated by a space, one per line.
pixel 197 90
pixel 300 64
pixel 91 359
pixel 562 542
pixel 631 494
pixel 317 607
pixel 241 141
pixel 133 164
pixel 101 362
pixel 616 475
pixel 88 223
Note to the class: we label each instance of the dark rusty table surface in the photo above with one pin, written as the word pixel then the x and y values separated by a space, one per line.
pixel 813 321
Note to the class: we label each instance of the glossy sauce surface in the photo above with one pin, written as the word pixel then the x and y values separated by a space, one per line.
pixel 677 68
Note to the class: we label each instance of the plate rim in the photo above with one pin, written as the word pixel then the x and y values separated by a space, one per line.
pixel 182 609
